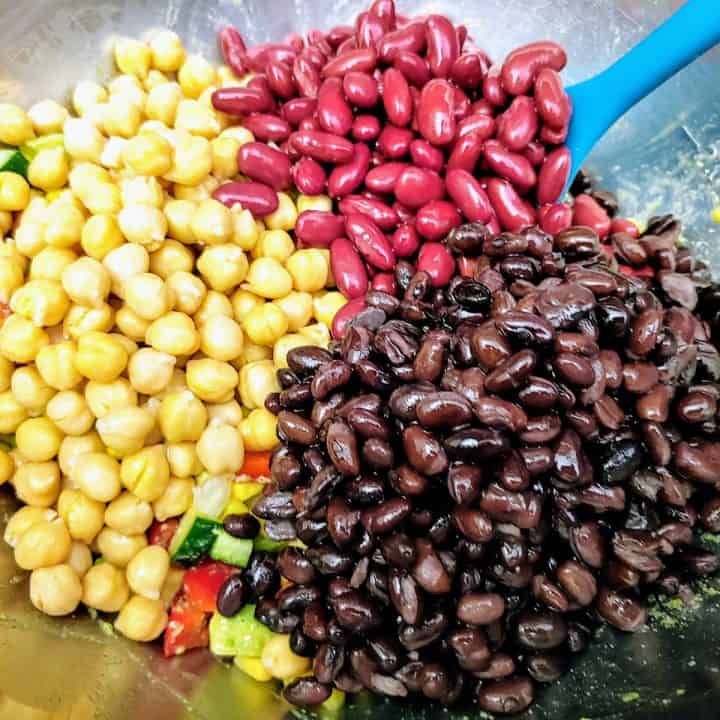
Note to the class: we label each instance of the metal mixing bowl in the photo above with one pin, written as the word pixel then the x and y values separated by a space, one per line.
pixel 661 157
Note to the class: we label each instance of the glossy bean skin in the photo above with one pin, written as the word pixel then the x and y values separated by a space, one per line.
pixel 259 199
pixel 415 187
pixel 518 125
pixel 333 112
pixel 242 101
pixel 346 178
pixel 396 98
pixel 523 65
pixel 361 89
pixel 370 241
pixel 435 114
pixel 415 68
pixel 348 269
pixel 512 211
pixel 317 228
pixel 512 166
pixel 442 45
pixel 468 195
pixel 322 147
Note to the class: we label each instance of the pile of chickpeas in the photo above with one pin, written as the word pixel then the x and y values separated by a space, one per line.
pixel 145 322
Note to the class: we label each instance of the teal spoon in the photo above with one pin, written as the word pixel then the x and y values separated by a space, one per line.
pixel 602 100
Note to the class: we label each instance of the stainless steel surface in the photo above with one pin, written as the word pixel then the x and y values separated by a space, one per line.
pixel 661 157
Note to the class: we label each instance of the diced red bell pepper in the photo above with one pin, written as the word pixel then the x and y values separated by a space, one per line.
pixel 202 583
pixel 187 627
pixel 161 533
pixel 257 464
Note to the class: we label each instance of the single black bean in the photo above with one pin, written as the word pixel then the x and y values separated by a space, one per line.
pixel 470 648
pixel 365 491
pixel 506 697
pixel 378 454
pixel 375 377
pixel 261 576
pixel 538 393
pixel 298 597
pixel 489 346
pixel 546 668
pixel 474 524
pixel 328 662
pixel 296 428
pixel 241 526
pixel 314 623
pixel 501 665
pixel 355 611
pixel 443 410
pixel 342 520
pixel 330 377
pixel 278 506
pixel 541 630
pixel 287 378
pixel 329 561
pixel 476 444
pixel 464 483
pixel 387 516
pixel 577 582
pixel 293 565
pixel 307 359
pixel 414 637
pixel 407 481
pixel 480 608
pixel 424 451
pixel 624 613
pixel 231 596
pixel 405 595
pixel 342 448
pixel 306 691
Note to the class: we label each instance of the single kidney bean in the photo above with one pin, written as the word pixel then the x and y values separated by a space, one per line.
pixel 411 38
pixel 383 178
pixel 415 68
pixel 512 166
pixel 348 269
pixel 268 128
pixel 435 259
pixel 259 56
pixel 280 80
pixel 385 283
pixel 323 147
pixel 370 241
pixel 364 60
pixel 346 178
pixel 588 212
pixel 553 104
pixel 477 124
pixel 556 218
pixel 469 70
pixel 535 153
pixel 435 112
pixel 480 608
pixel 384 11
pixel 623 225
pixel 522 66
pixel 550 136
pixel 394 142
pixel 264 164
pixel 467 194
pixel 339 34
pixel 381 214
pixel 298 109
pixel 518 125
pixel 387 516
pixel 424 155
pixel 306 76
pixel 416 187
pixel 259 199
pixel 492 89
pixel 553 175
pixel 512 211
pixel 396 98
pixel 308 124
pixel 465 153
pixel 405 241
pixel 361 89
pixel 242 101
pixel 333 112
pixel 423 451
pixel 365 128
pixel 442 45
pixel 345 314
pixel 318 228
pixel 370 30
pixel 444 409
pixel 436 219
pixel 506 697
pixel 463 106
pixel 309 176
pixel 233 49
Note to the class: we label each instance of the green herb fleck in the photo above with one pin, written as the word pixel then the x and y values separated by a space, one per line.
pixel 680 692
pixel 629 697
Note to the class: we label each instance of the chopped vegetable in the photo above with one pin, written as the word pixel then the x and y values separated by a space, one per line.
pixel 242 635
pixel 257 464
pixel 12 160
pixel 44 142
pixel 162 533
pixel 187 627
pixel 202 583
pixel 232 550
pixel 194 537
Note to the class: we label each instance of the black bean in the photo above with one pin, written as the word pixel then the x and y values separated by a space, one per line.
pixel 231 596
pixel 328 662
pixel 546 668
pixel 405 596
pixel 541 630
pixel 241 526
pixel 387 516
pixel 278 506
pixel 621 611
pixel 294 566
pixel 307 359
pixel 443 410
pixel 328 561
pixel 295 428
pixel 429 570
pixel 414 637
pixel 342 448
pixel 306 691
pixel 506 697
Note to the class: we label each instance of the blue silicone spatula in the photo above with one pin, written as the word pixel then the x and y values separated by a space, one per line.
pixel 603 99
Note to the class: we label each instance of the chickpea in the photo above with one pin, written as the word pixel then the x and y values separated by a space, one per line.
pixel 153 79
pixel 252 353
pixel 171 258
pixel 30 390
pixel 284 217
pixel 103 398
pixel 100 357
pixel 212 222
pixel 146 473
pixel 182 417
pixel 148 154
pixel 257 381
pixel 148 296
pixel 173 333
pixel 11 278
pixel 245 229
pixel 317 334
pixel 100 235
pixel 298 308
pixel 259 431
pixel 6 372
pixel 12 413
pixel 326 305
pixel 105 588
pixel 276 244
pixel 220 449
pixel 224 150
pixel 49 169
pixel 196 118
pixel 265 324
pixel 121 117
pixel 124 262
pixel 64 226
pixel 130 345
pixel 228 412
pixel 144 225
pixel 23 519
pixel 48 117
pixel 214 304
pixel 142 619
pixel 309 269
pixel 142 191
pixel 86 95
pixel 131 324
pixel 124 430
pixel 128 514
pixel 50 263
pixel 150 371
pixel 97 475
pixel 162 102
pixel 56 365
pixel 21 340
pixel 279 659
pixel 55 590
pixel 30 238
pixel 37 483
pixel 211 380
pixel 189 291
pixel 268 278
pixel 284 345
pixel 176 499
pixel 7 467
pixel 221 338
pixel 195 75
pixel 15 125
pixel 72 448
pixel 183 460
pixel 80 559
pixel 167 51
pixel 147 571
pixel 117 548
pixel 179 215
pixel 223 267
pixel 87 282
pixel 43 302
pixel 38 439
pixel 192 161
pixel 82 515
pixel 70 412
pixel 45 543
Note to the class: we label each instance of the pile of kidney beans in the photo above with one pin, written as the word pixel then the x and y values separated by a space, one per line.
pixel 411 130
pixel 485 467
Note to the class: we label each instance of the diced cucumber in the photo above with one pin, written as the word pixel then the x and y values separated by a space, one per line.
pixel 45 142
pixel 231 550
pixel 242 635
pixel 194 537
pixel 264 544
pixel 12 160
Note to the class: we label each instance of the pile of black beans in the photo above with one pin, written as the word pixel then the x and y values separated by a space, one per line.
pixel 483 471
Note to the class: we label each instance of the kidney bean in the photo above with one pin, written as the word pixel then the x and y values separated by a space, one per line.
pixel 233 49
pixel 362 60
pixel 554 219
pixel 512 211
pixel 435 112
pixel 535 153
pixel 322 147
pixel 280 80
pixel 306 74
pixel 410 38
pixel 464 156
pixel 553 176
pixel 428 571
pixel 383 178
pixel 442 45
pixel 436 219
pixel 298 109
pixel 552 102
pixel 589 213
pixel 381 214
pixel 370 242
pixel 333 112
pixel 259 199
pixel 361 89
pixel 370 30
pixel 512 166
pixel 414 68
pixel 622 612
pixel 423 451
pixel 518 125
pixel 396 98
pixel 259 56
pixel 522 66
pixel 318 228
pixel 492 89
pixel 365 128
pixel 469 70
pixel 437 262
pixel 268 128
pixel 467 194
pixel 242 101
pixel 424 155
pixel 506 697
pixel 394 142
pixel 345 179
